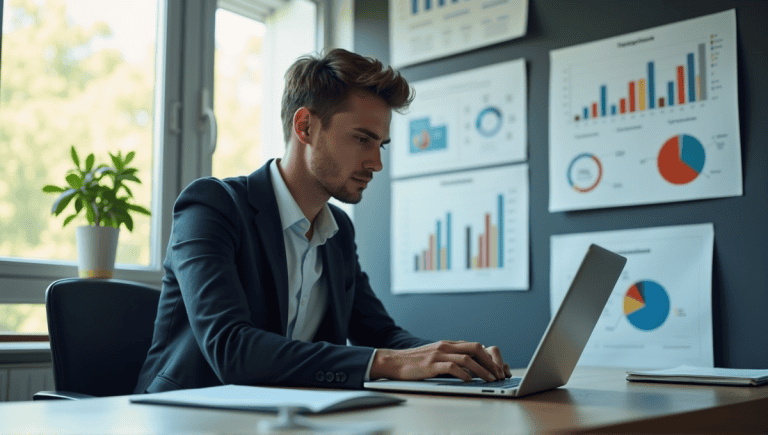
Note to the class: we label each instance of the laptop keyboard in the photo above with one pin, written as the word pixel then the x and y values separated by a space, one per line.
pixel 506 383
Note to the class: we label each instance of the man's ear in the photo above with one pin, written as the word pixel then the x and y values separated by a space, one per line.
pixel 301 124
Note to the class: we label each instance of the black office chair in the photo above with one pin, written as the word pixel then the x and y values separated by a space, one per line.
pixel 100 331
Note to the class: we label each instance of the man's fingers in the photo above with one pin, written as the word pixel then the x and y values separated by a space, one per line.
pixel 453 369
pixel 481 355
pixel 495 354
pixel 468 363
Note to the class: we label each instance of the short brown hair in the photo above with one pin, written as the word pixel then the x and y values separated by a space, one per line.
pixel 323 84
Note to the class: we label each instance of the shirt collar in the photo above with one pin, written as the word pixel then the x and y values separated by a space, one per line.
pixel 291 214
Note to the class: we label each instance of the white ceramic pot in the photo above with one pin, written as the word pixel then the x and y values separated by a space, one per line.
pixel 96 251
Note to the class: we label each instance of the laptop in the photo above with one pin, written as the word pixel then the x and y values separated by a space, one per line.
pixel 560 347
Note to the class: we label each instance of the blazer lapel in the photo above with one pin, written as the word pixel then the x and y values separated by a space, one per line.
pixel 266 218
pixel 332 265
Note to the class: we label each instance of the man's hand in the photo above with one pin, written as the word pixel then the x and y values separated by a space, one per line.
pixel 458 358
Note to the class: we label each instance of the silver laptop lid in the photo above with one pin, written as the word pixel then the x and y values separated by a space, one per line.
pixel 569 330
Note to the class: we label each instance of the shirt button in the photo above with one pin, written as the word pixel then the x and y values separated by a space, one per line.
pixel 341 377
pixel 329 377
pixel 320 376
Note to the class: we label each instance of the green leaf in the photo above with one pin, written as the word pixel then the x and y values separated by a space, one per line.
pixel 78 205
pixel 90 215
pixel 129 157
pixel 117 162
pixel 69 219
pixel 62 201
pixel 127 177
pixel 52 189
pixel 130 194
pixel 75 158
pixel 89 162
pixel 74 181
pixel 139 209
pixel 129 222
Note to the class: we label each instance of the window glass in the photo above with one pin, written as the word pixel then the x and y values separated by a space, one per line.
pixel 238 94
pixel 74 72
pixel 23 319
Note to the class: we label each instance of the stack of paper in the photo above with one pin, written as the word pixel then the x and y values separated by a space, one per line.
pixel 702 375
pixel 248 398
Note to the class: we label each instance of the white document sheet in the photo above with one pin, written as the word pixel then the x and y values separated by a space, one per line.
pixel 464 120
pixel 250 398
pixel 646 117
pixel 461 232
pixel 421 30
pixel 660 312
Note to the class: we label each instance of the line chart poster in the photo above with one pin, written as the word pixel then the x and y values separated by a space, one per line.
pixel 421 30
pixel 461 232
pixel 463 120
pixel 660 312
pixel 647 117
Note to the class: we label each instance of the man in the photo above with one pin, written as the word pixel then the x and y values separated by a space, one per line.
pixel 262 283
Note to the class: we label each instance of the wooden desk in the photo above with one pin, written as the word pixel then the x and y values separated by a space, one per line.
pixel 595 400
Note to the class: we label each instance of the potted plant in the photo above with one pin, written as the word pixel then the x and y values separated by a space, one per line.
pixel 106 208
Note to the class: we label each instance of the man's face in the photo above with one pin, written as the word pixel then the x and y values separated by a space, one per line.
pixel 347 153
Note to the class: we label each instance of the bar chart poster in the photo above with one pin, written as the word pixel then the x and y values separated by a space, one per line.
pixel 421 30
pixel 462 232
pixel 463 120
pixel 647 117
pixel 659 314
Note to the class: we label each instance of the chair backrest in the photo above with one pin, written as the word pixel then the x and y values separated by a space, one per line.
pixel 100 331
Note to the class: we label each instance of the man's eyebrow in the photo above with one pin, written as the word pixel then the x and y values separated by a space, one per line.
pixel 373 135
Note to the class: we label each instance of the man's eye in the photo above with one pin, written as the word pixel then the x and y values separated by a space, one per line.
pixel 363 139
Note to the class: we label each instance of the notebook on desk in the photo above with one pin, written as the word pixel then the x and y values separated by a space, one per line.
pixel 560 347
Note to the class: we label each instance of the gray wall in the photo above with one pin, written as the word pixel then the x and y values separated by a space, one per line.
pixel 515 321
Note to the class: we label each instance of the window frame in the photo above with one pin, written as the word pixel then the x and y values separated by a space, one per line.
pixel 184 69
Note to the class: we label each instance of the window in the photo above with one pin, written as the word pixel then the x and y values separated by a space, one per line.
pixel 131 76
pixel 76 73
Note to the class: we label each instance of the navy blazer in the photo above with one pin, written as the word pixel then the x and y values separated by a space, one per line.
pixel 224 304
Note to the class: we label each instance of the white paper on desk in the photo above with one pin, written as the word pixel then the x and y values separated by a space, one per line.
pixel 705 372
pixel 660 312
pixel 247 398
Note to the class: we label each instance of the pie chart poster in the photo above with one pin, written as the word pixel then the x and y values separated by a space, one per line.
pixel 660 312
pixel 647 117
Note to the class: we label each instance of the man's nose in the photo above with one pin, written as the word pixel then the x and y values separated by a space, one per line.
pixel 373 163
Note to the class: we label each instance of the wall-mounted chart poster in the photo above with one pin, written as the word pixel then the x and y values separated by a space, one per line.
pixel 462 232
pixel 421 30
pixel 647 117
pixel 660 312
pixel 464 120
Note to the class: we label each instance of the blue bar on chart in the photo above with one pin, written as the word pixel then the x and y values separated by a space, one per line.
pixel 691 79
pixel 586 113
pixel 448 242
pixel 603 92
pixel 415 7
pixel 441 2
pixel 427 5
pixel 651 86
pixel 671 93
pixel 703 72
pixel 613 109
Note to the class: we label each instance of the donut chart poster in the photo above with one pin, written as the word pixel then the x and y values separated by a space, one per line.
pixel 471 119
pixel 659 314
pixel 647 117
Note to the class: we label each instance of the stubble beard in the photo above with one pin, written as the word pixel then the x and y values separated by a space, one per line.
pixel 325 168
